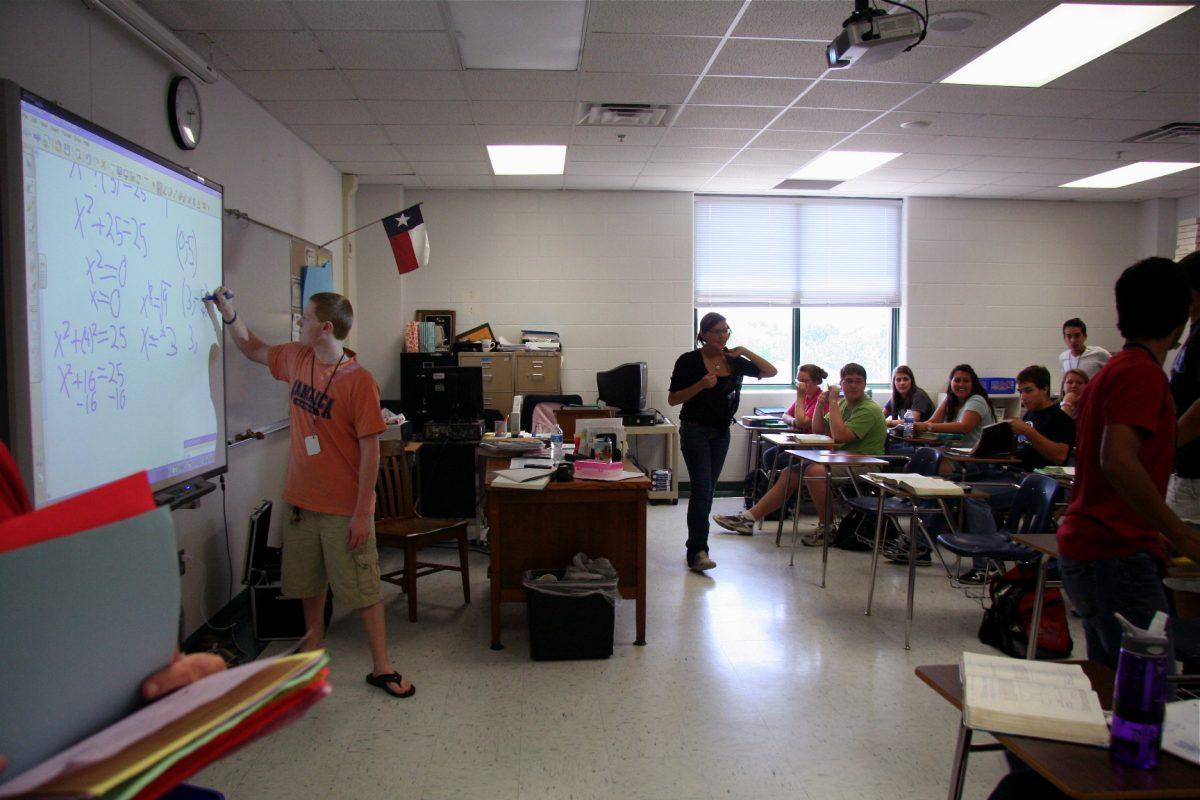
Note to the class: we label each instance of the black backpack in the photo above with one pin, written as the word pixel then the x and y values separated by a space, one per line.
pixel 1009 616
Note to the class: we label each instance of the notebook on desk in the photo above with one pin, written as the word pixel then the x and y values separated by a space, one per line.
pixel 996 441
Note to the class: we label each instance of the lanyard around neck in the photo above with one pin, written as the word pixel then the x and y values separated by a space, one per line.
pixel 312 381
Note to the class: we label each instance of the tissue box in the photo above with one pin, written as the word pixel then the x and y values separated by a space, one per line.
pixel 588 468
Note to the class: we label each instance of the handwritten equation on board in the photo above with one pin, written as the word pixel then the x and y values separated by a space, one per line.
pixel 121 319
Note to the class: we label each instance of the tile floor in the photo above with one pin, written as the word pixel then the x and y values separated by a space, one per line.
pixel 755 684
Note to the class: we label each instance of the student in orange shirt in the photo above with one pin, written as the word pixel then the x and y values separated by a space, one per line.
pixel 329 540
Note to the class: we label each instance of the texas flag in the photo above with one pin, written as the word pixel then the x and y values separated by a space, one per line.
pixel 406 232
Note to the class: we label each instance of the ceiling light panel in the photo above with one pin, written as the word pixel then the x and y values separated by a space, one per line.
pixel 1065 38
pixel 545 34
pixel 1131 173
pixel 527 159
pixel 842 165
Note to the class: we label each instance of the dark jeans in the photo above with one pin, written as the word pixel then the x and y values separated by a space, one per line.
pixel 704 450
pixel 1130 585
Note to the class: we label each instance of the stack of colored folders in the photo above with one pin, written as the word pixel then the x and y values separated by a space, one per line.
pixel 90 592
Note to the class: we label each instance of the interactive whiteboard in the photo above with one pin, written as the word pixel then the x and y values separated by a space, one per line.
pixel 123 368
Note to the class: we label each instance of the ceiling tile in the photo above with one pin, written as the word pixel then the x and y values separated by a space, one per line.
pixel 1133 72
pixel 663 55
pixel 924 64
pixel 936 189
pixel 681 170
pixel 796 140
pixel 623 182
pixel 529 181
pixel 1001 20
pixel 1095 130
pixel 373 167
pixel 432 134
pixel 970 176
pixel 271 49
pixel 524 134
pixel 778 92
pixel 703 137
pixel 411 15
pixel 939 124
pixel 1010 164
pixel 1040 179
pixel 341 134
pixel 458 181
pixel 1046 102
pixel 774 59
pixel 823 119
pixel 775 172
pixel 680 17
pixel 718 183
pixel 443 152
pixel 359 152
pixel 451 167
pixel 411 181
pixel 623 152
pixel 610 87
pixel 607 135
pixel 964 99
pixel 421 112
pixel 1180 35
pixel 864 95
pixel 788 158
pixel 996 126
pixel 818 20
pixel 384 84
pixel 930 162
pixel 692 155
pixel 524 112
pixel 293 85
pixel 307 112
pixel 1133 151
pixel 204 46
pixel 751 117
pixel 1153 106
pixel 866 186
pixel 408 50
pixel 890 173
pixel 235 15
pixel 661 183
pixel 629 168
pixel 523 84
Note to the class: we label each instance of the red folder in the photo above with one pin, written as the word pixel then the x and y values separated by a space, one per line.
pixel 101 506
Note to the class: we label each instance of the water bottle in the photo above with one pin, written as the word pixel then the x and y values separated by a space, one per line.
pixel 556 444
pixel 1140 694
pixel 909 420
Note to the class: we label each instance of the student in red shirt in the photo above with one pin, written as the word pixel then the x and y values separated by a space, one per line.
pixel 1111 538
pixel 329 540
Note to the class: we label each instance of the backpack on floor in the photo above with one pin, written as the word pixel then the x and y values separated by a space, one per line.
pixel 851 531
pixel 1009 616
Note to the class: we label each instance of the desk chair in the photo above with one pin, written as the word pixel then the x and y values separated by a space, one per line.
pixel 398 525
pixel 924 461
pixel 1031 513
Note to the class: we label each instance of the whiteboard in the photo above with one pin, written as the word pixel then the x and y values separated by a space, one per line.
pixel 260 264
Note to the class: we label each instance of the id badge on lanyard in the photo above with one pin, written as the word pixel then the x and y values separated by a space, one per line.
pixel 312 445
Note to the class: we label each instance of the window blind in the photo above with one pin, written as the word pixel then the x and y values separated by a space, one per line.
pixel 792 251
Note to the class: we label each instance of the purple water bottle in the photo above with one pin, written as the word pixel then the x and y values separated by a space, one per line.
pixel 1140 694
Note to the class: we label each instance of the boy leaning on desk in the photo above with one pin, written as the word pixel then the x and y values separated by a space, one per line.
pixel 329 539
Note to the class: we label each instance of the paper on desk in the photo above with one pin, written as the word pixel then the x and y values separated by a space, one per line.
pixel 523 474
pixel 624 474
pixel 154 719
pixel 528 461
pixel 509 483
pixel 1181 730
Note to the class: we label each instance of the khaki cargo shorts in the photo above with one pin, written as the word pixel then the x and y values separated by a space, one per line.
pixel 315 556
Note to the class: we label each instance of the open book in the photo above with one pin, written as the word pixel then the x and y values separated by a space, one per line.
pixel 1031 698
pixel 920 485
pixel 811 438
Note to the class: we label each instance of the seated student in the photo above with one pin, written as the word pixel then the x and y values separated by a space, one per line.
pixel 1070 389
pixel 906 396
pixel 855 422
pixel 1078 354
pixel 1045 433
pixel 967 410
pixel 800 413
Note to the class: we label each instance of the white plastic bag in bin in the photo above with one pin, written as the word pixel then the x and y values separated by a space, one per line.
pixel 539 581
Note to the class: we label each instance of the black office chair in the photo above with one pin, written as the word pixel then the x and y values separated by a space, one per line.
pixel 924 461
pixel 530 402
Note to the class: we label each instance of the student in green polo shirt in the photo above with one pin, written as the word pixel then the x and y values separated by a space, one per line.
pixel 854 421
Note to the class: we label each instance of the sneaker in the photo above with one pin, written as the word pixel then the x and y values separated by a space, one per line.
pixel 701 562
pixel 973 577
pixel 742 524
pixel 814 539
pixel 900 556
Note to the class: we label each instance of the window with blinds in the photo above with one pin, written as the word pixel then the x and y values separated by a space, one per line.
pixel 793 251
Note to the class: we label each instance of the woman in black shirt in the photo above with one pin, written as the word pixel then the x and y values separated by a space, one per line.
pixel 708 382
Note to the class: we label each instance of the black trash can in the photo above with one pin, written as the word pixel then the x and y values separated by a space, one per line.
pixel 570 619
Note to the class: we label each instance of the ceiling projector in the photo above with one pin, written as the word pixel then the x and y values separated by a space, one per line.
pixel 871 35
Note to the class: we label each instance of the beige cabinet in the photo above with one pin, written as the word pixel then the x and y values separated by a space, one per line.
pixel 508 374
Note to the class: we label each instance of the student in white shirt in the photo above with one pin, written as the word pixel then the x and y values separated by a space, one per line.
pixel 1078 354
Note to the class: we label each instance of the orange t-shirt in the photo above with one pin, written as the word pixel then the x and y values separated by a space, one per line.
pixel 340 405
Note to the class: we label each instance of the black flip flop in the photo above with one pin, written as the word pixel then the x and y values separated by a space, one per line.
pixel 383 680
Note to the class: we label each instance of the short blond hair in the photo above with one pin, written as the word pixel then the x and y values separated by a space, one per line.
pixel 335 308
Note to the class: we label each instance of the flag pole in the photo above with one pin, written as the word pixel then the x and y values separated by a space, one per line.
pixel 359 228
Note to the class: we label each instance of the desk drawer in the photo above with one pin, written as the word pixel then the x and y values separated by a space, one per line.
pixel 497 370
pixel 538 374
pixel 498 401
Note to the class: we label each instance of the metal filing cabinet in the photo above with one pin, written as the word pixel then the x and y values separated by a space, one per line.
pixel 506 374
pixel 538 373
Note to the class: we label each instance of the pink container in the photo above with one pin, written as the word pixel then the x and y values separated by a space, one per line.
pixel 596 469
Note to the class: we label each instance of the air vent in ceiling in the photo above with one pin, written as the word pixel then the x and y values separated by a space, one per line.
pixel 622 114
pixel 1172 133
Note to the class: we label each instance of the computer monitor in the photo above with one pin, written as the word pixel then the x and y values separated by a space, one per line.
pixel 623 387
pixel 452 394
pixel 414 373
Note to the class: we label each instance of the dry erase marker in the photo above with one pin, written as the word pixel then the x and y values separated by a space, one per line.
pixel 212 298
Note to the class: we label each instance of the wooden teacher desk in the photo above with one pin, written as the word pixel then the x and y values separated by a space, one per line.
pixel 545 528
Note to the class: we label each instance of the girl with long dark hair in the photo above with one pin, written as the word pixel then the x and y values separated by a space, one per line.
pixel 906 396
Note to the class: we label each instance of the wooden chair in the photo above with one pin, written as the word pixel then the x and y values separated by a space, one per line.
pixel 398 525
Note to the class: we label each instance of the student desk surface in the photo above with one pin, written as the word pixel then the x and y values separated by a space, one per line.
pixel 545 528
pixel 1078 770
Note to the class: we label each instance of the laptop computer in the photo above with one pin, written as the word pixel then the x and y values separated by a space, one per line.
pixel 995 441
